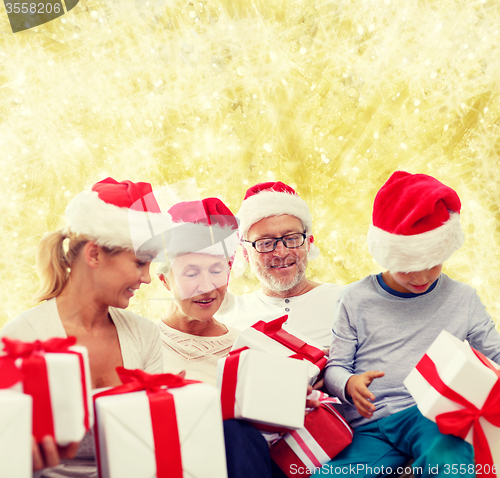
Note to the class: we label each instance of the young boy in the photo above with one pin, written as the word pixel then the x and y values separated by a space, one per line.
pixel 384 324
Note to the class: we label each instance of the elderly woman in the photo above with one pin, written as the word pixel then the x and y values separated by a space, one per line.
pixel 85 290
pixel 201 249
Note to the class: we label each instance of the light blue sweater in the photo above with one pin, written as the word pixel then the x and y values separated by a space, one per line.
pixel 375 330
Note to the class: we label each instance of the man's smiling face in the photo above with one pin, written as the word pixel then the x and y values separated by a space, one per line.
pixel 282 269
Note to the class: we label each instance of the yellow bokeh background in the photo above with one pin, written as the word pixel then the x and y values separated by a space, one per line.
pixel 329 96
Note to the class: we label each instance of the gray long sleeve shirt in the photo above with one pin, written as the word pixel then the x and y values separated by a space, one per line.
pixel 375 330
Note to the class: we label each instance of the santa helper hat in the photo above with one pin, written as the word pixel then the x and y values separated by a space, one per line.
pixel 207 226
pixel 119 214
pixel 416 223
pixel 275 199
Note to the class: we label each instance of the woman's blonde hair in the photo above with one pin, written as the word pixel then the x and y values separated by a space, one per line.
pixel 53 263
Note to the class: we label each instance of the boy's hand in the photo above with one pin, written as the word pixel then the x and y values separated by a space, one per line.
pixel 357 389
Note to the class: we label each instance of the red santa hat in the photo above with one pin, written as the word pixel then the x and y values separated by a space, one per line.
pixel 274 199
pixel 118 214
pixel 416 223
pixel 207 226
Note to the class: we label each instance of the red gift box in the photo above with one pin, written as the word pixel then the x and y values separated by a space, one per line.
pixel 301 452
pixel 161 426
pixel 250 392
pixel 272 338
pixel 57 376
pixel 459 388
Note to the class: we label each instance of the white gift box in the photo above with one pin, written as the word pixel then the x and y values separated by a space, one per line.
pixel 256 340
pixel 461 370
pixel 15 435
pixel 271 390
pixel 326 433
pixel 67 395
pixel 125 433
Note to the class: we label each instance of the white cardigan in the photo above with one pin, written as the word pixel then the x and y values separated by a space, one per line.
pixel 139 341
pixel 140 346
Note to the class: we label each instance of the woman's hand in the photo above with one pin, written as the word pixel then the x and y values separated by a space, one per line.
pixel 357 389
pixel 311 403
pixel 48 453
pixel 321 382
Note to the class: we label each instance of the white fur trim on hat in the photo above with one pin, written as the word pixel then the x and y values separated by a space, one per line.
pixel 272 203
pixel 200 241
pixel 203 239
pixel 399 253
pixel 112 226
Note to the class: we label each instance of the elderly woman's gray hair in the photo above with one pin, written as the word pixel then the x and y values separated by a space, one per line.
pixel 163 269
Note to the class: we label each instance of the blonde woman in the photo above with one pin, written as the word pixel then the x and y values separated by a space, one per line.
pixel 84 292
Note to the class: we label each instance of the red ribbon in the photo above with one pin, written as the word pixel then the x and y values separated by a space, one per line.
pixel 163 416
pixel 33 374
pixel 228 391
pixel 302 349
pixel 9 373
pixel 229 382
pixel 18 349
pixel 459 422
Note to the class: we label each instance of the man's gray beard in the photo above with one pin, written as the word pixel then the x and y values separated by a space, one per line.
pixel 277 285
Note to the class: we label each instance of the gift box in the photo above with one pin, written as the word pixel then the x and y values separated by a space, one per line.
pixel 272 338
pixel 56 374
pixel 459 388
pixel 325 434
pixel 159 426
pixel 263 388
pixel 15 435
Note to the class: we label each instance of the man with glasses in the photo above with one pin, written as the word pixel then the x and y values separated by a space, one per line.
pixel 276 233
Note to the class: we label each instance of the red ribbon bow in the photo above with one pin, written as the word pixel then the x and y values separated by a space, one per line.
pixel 9 373
pixel 136 380
pixel 302 349
pixel 19 349
pixel 163 416
pixel 33 374
pixel 459 422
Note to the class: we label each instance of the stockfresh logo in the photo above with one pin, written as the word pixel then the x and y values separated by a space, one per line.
pixel 26 15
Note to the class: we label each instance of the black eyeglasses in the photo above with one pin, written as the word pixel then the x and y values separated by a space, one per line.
pixel 290 241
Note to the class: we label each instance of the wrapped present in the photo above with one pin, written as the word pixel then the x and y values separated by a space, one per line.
pixel 272 338
pixel 325 434
pixel 15 435
pixel 323 397
pixel 263 388
pixel 459 388
pixel 57 376
pixel 160 426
